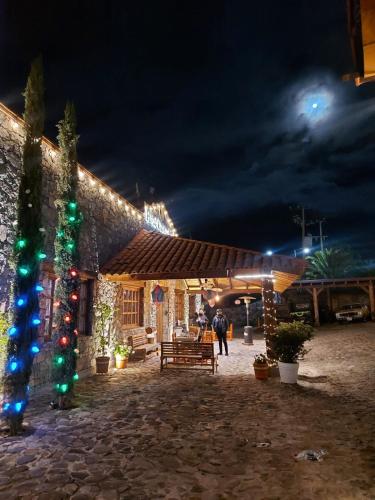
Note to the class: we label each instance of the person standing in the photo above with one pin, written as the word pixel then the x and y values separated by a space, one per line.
pixel 202 323
pixel 220 325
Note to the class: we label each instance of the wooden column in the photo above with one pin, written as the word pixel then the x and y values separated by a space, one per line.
pixel 372 299
pixel 269 315
pixel 316 306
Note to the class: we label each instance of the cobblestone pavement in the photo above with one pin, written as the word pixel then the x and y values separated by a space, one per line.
pixel 186 435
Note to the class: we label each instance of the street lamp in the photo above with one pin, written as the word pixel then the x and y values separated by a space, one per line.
pixel 269 252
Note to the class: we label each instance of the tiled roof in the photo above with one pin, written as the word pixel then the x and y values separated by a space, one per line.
pixel 151 255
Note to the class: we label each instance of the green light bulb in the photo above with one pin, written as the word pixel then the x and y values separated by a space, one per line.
pixel 75 376
pixel 60 234
pixel 23 271
pixel 70 245
pixel 63 387
pixel 41 255
pixel 21 243
pixel 60 360
pixel 72 205
pixel 71 218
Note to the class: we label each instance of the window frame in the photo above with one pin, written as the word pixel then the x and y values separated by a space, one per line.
pixel 133 306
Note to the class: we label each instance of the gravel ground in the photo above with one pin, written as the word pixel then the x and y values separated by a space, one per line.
pixel 137 434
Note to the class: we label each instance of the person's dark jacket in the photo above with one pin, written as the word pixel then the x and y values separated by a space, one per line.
pixel 220 324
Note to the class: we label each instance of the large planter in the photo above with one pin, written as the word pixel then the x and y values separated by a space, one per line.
pixel 261 371
pixel 288 372
pixel 102 364
pixel 121 362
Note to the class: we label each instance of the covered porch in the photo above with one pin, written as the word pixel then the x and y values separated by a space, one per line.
pixel 185 268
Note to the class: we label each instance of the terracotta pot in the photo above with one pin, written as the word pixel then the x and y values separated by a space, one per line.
pixel 121 362
pixel 102 364
pixel 261 372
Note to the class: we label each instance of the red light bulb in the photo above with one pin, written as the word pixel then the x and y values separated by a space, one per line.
pixel 75 331
pixel 73 273
pixel 67 318
pixel 64 341
pixel 74 296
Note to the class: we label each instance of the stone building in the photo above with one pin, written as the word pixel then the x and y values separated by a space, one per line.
pixel 132 249
pixel 109 223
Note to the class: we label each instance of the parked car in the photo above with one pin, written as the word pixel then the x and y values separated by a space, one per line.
pixel 353 312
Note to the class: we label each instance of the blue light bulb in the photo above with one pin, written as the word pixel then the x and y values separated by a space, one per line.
pixel 13 366
pixel 18 406
pixel 6 406
pixel 35 349
pixel 12 331
pixel 39 288
pixel 21 302
pixel 36 321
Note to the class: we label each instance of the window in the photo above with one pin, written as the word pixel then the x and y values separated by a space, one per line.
pixel 85 307
pixel 179 306
pixel 130 310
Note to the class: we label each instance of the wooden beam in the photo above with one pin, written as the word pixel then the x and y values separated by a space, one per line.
pixel 372 300
pixel 316 306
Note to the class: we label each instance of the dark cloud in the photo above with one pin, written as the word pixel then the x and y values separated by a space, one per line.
pixel 204 101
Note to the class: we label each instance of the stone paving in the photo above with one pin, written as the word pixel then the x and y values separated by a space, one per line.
pixel 137 434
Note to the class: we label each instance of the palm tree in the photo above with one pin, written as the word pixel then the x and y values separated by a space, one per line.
pixel 330 263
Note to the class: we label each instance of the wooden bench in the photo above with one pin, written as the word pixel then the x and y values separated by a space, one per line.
pixel 189 355
pixel 141 347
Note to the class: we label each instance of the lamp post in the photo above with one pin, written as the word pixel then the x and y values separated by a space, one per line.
pixel 248 330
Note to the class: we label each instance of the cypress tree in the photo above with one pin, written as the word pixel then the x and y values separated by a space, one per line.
pixel 28 252
pixel 67 263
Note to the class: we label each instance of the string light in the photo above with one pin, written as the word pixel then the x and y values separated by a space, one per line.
pixel 67 318
pixel 21 243
pixel 59 360
pixel 76 376
pixel 64 341
pixel 73 273
pixel 18 406
pixel 21 302
pixel 24 271
pixel 13 366
pixel 35 349
pixel 72 205
pixel 36 321
pixel 41 255
pixel 74 297
pixel 12 331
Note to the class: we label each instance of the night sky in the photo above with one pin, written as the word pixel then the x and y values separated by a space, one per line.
pixel 210 103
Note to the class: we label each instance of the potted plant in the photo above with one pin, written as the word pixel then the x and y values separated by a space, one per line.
pixel 122 353
pixel 103 315
pixel 260 367
pixel 288 344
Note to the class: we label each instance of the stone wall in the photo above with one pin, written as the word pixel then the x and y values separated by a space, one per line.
pixel 109 223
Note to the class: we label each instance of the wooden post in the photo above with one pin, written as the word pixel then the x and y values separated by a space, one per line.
pixel 269 315
pixel 372 299
pixel 316 306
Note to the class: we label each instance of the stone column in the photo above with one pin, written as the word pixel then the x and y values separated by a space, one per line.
pixel 186 309
pixel 269 315
pixel 171 307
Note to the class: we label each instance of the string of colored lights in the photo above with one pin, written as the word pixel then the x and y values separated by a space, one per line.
pixel 269 314
pixel 66 264
pixel 28 254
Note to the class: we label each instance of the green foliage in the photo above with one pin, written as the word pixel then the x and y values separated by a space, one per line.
pixel 289 339
pixel 122 350
pixel 69 219
pixel 260 359
pixel 25 255
pixel 330 263
pixel 103 317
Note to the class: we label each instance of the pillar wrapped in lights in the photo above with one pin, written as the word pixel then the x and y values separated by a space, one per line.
pixel 269 316
pixel 28 253
pixel 66 264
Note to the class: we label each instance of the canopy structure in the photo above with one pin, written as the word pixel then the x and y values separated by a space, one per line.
pixel 154 256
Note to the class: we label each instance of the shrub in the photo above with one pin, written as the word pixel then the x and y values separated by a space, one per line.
pixel 260 359
pixel 122 350
pixel 289 339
